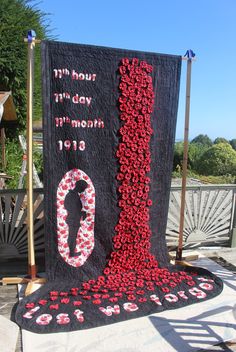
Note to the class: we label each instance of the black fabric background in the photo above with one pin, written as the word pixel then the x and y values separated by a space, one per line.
pixel 99 160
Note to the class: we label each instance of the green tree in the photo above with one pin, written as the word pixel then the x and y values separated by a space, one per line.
pixel 178 155
pixel 202 139
pixel 195 152
pixel 16 18
pixel 218 160
pixel 220 140
pixel 233 143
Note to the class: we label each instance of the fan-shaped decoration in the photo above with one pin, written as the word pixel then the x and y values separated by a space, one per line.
pixel 208 215
pixel 13 228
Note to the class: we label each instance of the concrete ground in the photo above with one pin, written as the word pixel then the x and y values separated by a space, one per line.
pixel 8 298
pixel 226 257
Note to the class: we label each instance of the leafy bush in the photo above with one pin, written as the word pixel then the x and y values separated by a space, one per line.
pixel 220 140
pixel 178 155
pixel 195 151
pixel 14 156
pixel 202 139
pixel 209 164
pixel 218 160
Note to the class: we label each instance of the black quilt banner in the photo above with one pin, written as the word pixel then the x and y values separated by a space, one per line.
pixel 109 128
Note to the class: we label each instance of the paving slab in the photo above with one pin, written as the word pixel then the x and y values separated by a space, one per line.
pixel 8 335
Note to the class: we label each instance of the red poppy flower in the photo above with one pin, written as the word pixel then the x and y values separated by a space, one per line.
pixel 142 299
pixel 125 61
pixel 54 306
pixel 65 300
pixel 191 283
pixel 29 305
pixel 120 176
pixel 77 303
pixel 122 86
pixel 74 291
pixel 106 271
pixel 123 160
pixel 158 283
pixel 135 61
pixel 43 302
pixel 125 78
pixel 113 299
pixel 83 293
pixel 97 301
pixel 87 297
pixel 140 292
pixel 172 284
pixel 149 68
pixel 105 296
pixel 53 298
pixel 122 69
pixel 131 297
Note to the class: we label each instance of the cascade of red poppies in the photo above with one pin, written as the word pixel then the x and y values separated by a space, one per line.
pixel 132 270
pixel 132 240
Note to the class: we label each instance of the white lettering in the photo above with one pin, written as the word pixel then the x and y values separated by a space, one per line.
pixel 182 294
pixel 197 293
pixel 171 297
pixel 79 315
pixel 203 279
pixel 156 299
pixel 130 307
pixel 109 310
pixel 76 99
pixel 28 315
pixel 63 319
pixel 83 76
pixel 206 286
pixel 44 319
pixel 88 100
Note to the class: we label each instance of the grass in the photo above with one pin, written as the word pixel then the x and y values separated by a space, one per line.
pixel 225 179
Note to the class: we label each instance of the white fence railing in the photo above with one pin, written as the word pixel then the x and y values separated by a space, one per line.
pixel 209 215
pixel 209 218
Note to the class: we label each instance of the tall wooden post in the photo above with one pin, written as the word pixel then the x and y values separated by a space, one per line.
pixel 32 280
pixel 30 202
pixel 190 56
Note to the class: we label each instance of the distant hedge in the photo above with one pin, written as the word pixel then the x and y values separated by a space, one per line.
pixel 206 158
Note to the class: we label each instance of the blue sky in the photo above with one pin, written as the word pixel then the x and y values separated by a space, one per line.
pixel 208 27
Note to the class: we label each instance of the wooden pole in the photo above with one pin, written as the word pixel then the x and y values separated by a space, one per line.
pixel 185 159
pixel 30 203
